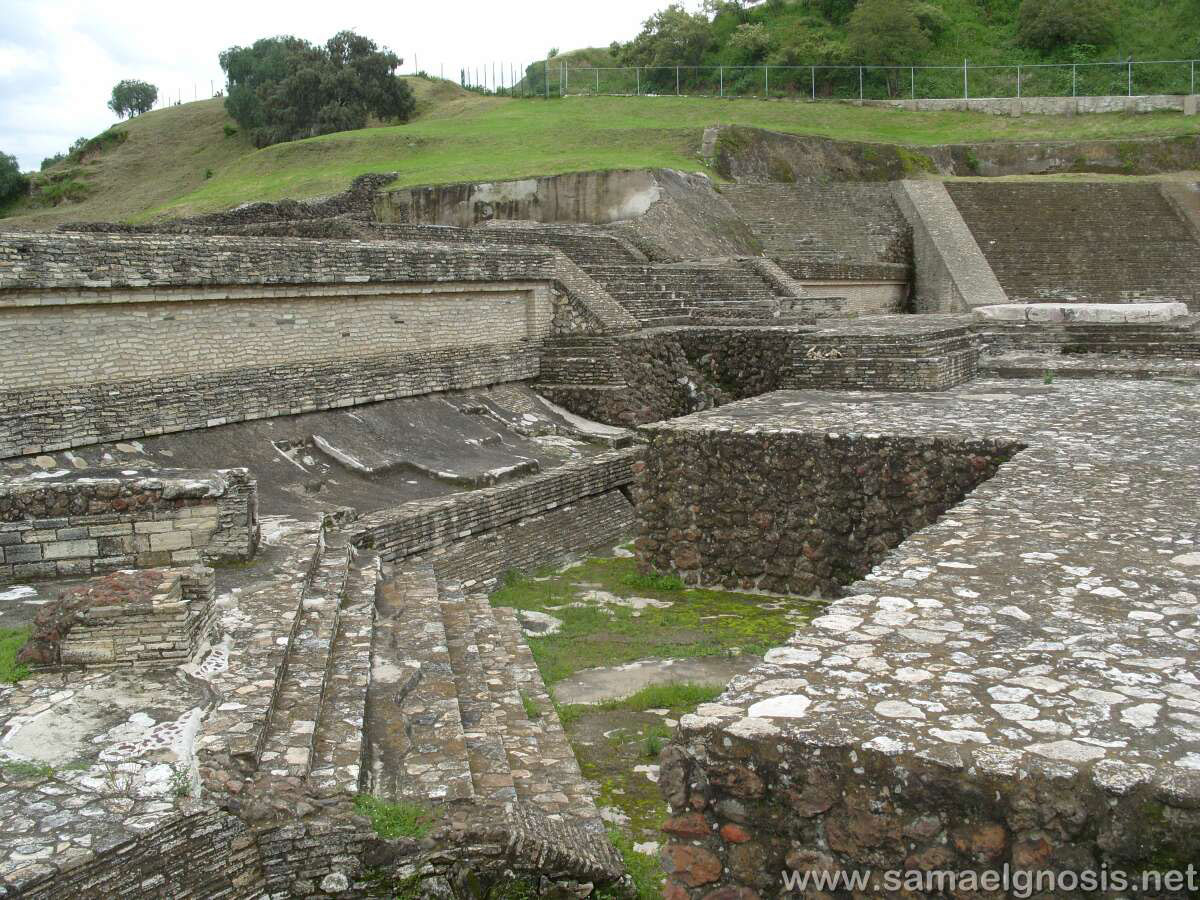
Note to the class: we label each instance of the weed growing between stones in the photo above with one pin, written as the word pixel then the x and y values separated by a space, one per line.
pixel 532 710
pixel 21 769
pixel 392 820
pixel 11 642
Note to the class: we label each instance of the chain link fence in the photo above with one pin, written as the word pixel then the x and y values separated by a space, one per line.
pixel 1100 79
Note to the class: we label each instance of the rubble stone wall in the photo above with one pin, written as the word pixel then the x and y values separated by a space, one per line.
pixel 789 512
pixel 76 526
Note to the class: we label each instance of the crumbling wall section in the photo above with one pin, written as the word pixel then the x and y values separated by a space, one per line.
pixel 75 526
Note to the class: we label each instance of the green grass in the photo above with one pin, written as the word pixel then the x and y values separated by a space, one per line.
pixel 392 820
pixel 698 623
pixel 159 170
pixel 679 697
pixel 21 769
pixel 11 642
pixel 645 871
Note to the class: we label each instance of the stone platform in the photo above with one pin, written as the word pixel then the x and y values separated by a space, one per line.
pixel 1014 684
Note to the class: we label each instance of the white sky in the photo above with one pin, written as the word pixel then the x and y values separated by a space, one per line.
pixel 60 58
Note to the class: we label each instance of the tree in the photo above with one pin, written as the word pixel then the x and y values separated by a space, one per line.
pixel 671 37
pixel 12 183
pixel 887 33
pixel 1049 25
pixel 284 88
pixel 132 98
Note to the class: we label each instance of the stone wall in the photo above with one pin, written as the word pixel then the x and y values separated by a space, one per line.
pixel 791 512
pixel 104 337
pixel 1049 106
pixel 144 618
pixel 580 197
pixel 664 372
pixel 423 525
pixel 202 853
pixel 76 525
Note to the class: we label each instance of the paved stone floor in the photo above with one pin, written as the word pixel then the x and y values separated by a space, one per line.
pixel 91 759
pixel 1051 618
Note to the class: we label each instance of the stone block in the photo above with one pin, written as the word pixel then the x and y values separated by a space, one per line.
pixel 70 549
pixel 23 553
pixel 174 540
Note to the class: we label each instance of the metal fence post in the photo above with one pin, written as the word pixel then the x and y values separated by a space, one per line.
pixel 966 87
pixel 677 81
pixel 913 74
pixel 1074 79
pixel 814 82
pixel 1130 66
pixel 566 80
pixel 722 69
pixel 547 79
pixel 766 82
pixel 638 70
pixel 1018 82
pixel 597 81
pixel 860 84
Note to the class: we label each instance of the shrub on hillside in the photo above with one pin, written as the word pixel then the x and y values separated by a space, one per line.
pixel 1049 25
pixel 13 184
pixel 132 98
pixel 284 88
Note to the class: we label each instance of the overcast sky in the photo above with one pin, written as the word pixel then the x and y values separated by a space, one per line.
pixel 60 58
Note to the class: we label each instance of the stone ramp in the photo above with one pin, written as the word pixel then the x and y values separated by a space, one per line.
pixel 952 273
pixel 448 725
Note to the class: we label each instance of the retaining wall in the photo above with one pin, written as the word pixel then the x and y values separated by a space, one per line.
pixel 76 526
pixel 479 534
pixel 105 336
pixel 720 504
pixel 1050 106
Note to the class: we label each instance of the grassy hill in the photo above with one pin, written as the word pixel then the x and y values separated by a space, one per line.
pixel 160 170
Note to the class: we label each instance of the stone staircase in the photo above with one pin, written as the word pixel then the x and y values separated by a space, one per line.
pixel 1095 242
pixel 665 294
pixel 827 223
pixel 448 725
pixel 315 725
pixel 1179 339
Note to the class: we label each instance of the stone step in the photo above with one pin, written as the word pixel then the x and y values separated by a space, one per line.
pixel 554 784
pixel 491 776
pixel 291 732
pixel 416 750
pixel 338 748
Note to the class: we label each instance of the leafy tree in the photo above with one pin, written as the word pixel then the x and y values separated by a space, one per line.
pixel 52 160
pixel 887 32
pixel 284 88
pixel 671 37
pixel 1049 25
pixel 132 98
pixel 12 183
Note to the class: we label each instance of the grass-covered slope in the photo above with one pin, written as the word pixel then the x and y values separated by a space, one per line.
pixel 160 169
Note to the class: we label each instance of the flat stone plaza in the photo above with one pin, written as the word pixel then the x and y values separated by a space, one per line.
pixel 1018 677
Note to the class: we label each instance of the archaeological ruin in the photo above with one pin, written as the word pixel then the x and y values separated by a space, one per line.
pixel 260 472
